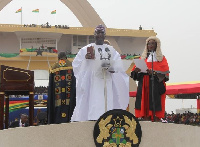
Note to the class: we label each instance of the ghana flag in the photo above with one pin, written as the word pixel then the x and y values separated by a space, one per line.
pixel 53 12
pixel 36 10
pixel 19 10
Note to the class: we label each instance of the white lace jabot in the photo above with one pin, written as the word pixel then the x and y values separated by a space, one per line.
pixel 149 59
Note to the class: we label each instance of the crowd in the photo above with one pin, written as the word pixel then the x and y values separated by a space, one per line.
pixel 187 118
pixel 47 25
pixel 62 26
pixel 30 25
pixel 41 90
pixel 22 121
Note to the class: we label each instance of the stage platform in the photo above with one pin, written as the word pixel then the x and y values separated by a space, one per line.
pixel 80 134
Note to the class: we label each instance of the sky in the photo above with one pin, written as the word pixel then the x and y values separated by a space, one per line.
pixel 176 22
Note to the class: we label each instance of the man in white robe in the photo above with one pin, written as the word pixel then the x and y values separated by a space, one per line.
pixel 91 90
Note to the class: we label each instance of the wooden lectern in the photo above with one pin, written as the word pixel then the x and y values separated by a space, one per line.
pixel 15 81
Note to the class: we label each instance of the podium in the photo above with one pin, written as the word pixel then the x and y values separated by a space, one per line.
pixel 15 81
pixel 80 134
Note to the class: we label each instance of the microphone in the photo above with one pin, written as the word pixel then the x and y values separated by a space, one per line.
pixel 152 52
pixel 152 55
pixel 149 53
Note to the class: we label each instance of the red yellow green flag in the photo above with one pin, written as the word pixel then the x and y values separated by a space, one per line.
pixel 36 11
pixel 19 10
pixel 53 12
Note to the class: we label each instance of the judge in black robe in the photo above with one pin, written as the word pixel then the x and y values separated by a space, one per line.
pixel 61 91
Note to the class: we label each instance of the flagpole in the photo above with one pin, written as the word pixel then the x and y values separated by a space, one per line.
pixel 38 19
pixel 21 15
pixel 55 19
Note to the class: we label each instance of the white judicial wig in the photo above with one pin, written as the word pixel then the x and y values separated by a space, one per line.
pixel 90 102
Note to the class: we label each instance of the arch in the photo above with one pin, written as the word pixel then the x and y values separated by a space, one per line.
pixel 83 11
pixel 3 3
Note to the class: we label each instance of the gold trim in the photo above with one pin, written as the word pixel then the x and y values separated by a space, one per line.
pixel 104 128
pixel 59 90
pixel 16 71
pixel 58 102
pixel 64 114
pixel 55 76
pixel 67 101
pixel 63 102
pixel 2 92
pixel 130 129
pixel 31 92
pixel 59 69
pixel 63 89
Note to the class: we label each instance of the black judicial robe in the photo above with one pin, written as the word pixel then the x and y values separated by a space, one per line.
pixel 61 95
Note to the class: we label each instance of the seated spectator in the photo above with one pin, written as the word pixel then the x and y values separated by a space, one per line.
pixel 186 118
pixel 23 122
pixel 42 118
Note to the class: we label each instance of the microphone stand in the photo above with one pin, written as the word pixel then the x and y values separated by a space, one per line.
pixel 105 68
pixel 105 88
pixel 152 88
